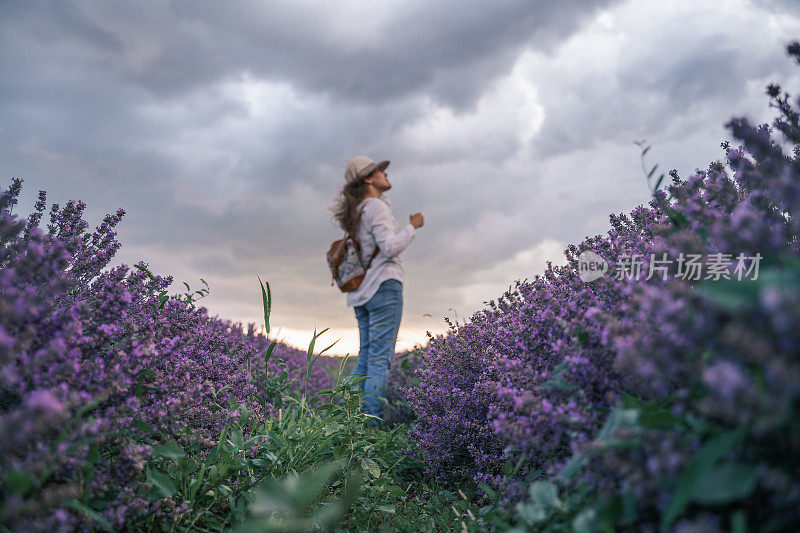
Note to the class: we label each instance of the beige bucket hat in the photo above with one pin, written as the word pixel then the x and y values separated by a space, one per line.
pixel 361 167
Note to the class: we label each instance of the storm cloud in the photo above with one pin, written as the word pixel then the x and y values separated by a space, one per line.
pixel 223 130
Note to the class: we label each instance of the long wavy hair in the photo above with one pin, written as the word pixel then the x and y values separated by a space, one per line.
pixel 345 209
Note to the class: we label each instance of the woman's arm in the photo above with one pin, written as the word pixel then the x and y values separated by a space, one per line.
pixel 382 229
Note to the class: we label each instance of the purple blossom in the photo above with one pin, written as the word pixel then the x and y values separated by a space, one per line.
pixel 529 380
pixel 77 336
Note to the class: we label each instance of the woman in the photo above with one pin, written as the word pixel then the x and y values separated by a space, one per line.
pixel 365 213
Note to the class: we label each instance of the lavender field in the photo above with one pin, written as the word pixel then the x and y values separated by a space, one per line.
pixel 660 402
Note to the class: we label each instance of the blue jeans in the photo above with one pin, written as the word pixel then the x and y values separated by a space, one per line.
pixel 378 323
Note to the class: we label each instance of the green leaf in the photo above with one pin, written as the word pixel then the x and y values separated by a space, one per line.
pixel 91 513
pixel 17 482
pixel 585 522
pixel 583 337
pixel 92 455
pixel 332 428
pixel 656 417
pixel 702 462
pixel 617 419
pixel 394 490
pixel 545 494
pixel 609 512
pixel 371 466
pixel 140 381
pixel 268 355
pixel 144 269
pixel 91 458
pixel 197 482
pixel 313 340
pixel 101 503
pixel 329 347
pixel 573 466
pixel 730 294
pixel 531 513
pixel 619 510
pixel 677 218
pixel 658 182
pixel 163 487
pixel 738 522
pixel 704 234
pixel 558 385
pixel 276 438
pixel 237 439
pixel 489 491
pixel 169 451
pixel 619 444
pixel 631 402
pixel 725 483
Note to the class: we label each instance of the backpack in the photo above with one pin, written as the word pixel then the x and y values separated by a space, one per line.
pixel 344 260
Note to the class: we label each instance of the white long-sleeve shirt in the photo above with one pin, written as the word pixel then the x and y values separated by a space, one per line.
pixel 378 227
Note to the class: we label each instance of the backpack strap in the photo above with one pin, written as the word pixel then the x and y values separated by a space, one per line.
pixel 377 248
pixel 373 257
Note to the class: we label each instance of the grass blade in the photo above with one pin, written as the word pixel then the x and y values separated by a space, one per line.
pixel 266 297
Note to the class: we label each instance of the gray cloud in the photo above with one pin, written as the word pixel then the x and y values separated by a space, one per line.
pixel 690 72
pixel 223 129
pixel 372 53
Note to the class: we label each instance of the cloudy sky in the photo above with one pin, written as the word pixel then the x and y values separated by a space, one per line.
pixel 223 129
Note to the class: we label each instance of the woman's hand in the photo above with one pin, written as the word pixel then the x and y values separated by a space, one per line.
pixel 416 220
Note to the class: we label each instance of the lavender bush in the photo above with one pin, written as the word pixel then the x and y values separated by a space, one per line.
pixel 96 366
pixel 701 378
pixel 643 404
pixel 714 365
pixel 506 396
pixel 401 378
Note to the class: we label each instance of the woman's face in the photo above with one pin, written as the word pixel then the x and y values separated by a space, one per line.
pixel 380 180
